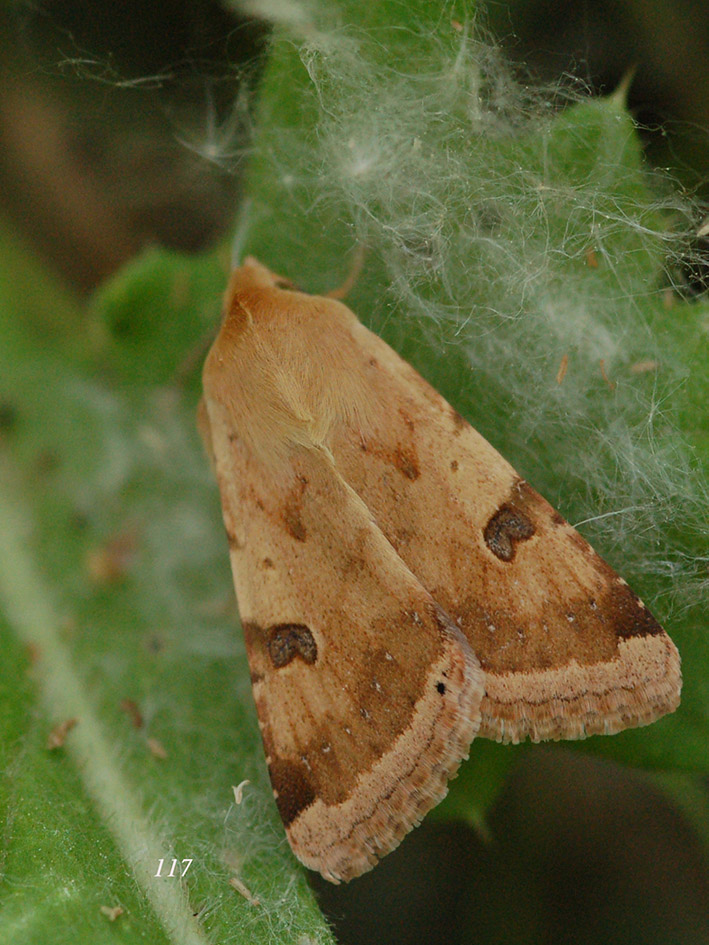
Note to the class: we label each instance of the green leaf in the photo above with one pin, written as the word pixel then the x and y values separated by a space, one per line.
pixel 114 586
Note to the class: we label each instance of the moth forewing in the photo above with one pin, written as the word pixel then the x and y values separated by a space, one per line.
pixel 401 588
pixel 568 650
pixel 368 695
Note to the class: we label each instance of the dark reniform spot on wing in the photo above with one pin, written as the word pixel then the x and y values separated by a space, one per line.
pixel 288 640
pixel 506 527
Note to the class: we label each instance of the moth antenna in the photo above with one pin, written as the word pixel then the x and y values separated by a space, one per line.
pixel 356 264
pixel 241 230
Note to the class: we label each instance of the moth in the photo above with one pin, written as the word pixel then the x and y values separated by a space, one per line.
pixel 402 589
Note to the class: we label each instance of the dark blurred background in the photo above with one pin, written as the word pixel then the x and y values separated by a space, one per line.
pixel 126 124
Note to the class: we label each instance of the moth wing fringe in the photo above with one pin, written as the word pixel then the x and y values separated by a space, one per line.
pixel 636 689
pixel 346 841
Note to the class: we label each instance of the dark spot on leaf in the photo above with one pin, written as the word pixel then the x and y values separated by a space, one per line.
pixel 441 687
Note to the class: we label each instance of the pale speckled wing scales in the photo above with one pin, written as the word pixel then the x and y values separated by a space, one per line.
pixel 367 694
pixel 567 649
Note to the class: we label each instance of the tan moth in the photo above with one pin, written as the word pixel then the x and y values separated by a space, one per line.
pixel 401 588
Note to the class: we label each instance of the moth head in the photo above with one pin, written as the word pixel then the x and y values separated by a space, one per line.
pixel 252 274
pixel 251 289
